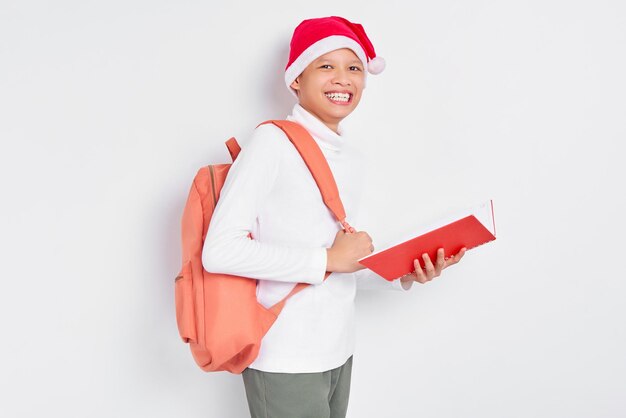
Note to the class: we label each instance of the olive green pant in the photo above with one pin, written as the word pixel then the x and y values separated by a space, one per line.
pixel 298 395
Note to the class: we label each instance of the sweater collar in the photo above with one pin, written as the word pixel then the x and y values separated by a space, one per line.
pixel 323 135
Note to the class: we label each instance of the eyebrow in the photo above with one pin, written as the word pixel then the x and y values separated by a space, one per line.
pixel 354 61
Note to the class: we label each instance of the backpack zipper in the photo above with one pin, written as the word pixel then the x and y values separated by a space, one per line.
pixel 213 185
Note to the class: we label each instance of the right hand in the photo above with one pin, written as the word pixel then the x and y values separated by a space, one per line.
pixel 346 250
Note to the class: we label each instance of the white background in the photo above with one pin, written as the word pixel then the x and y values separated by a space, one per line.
pixel 107 109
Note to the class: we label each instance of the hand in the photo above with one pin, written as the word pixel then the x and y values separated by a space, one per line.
pixel 431 271
pixel 347 248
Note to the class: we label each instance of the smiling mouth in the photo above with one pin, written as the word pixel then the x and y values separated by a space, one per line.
pixel 339 98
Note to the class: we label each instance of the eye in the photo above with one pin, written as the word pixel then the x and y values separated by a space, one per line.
pixel 355 68
pixel 326 66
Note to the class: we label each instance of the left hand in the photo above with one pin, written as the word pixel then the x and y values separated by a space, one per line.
pixel 431 271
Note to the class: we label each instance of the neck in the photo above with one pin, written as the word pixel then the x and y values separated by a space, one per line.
pixel 333 125
pixel 324 135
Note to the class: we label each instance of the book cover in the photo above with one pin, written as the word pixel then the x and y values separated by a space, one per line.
pixel 467 229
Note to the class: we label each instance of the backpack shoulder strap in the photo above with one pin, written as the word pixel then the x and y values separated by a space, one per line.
pixel 317 164
pixel 233 148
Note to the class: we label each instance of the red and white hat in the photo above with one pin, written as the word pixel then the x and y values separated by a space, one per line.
pixel 315 37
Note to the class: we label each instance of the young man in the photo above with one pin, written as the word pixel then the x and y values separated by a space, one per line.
pixel 304 365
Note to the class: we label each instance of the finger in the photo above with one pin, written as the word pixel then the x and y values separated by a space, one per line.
pixel 456 258
pixel 365 235
pixel 460 255
pixel 441 261
pixel 428 266
pixel 419 273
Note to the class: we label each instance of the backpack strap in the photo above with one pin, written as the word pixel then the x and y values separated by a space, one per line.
pixel 317 164
pixel 233 147
pixel 278 306
pixel 319 168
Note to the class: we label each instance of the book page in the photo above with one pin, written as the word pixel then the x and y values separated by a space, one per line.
pixel 482 212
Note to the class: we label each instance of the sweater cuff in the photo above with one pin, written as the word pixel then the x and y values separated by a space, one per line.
pixel 318 266
pixel 398 285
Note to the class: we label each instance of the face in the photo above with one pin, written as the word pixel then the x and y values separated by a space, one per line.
pixel 330 87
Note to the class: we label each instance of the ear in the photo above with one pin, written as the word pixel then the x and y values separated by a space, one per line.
pixel 295 84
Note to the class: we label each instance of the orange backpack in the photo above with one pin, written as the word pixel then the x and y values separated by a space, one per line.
pixel 218 314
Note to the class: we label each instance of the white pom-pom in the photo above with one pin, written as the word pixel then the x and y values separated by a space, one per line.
pixel 376 65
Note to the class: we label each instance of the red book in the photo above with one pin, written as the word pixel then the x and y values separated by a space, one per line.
pixel 469 229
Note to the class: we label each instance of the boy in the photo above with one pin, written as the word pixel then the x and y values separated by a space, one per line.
pixel 304 364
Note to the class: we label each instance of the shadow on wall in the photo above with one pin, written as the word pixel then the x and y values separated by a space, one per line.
pixel 273 98
pixel 162 361
pixel 268 98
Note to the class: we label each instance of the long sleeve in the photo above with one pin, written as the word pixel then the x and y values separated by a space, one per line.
pixel 228 249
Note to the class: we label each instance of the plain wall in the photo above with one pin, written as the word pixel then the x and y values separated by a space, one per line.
pixel 107 109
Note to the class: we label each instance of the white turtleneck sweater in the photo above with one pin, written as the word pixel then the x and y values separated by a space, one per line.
pixel 271 193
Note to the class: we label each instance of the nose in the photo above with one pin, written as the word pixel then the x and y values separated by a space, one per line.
pixel 341 77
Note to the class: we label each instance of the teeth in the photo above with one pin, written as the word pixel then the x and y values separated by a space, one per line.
pixel 339 97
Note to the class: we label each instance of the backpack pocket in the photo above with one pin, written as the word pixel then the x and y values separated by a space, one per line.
pixel 185 312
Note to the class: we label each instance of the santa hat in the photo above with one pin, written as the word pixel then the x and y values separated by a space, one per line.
pixel 315 37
